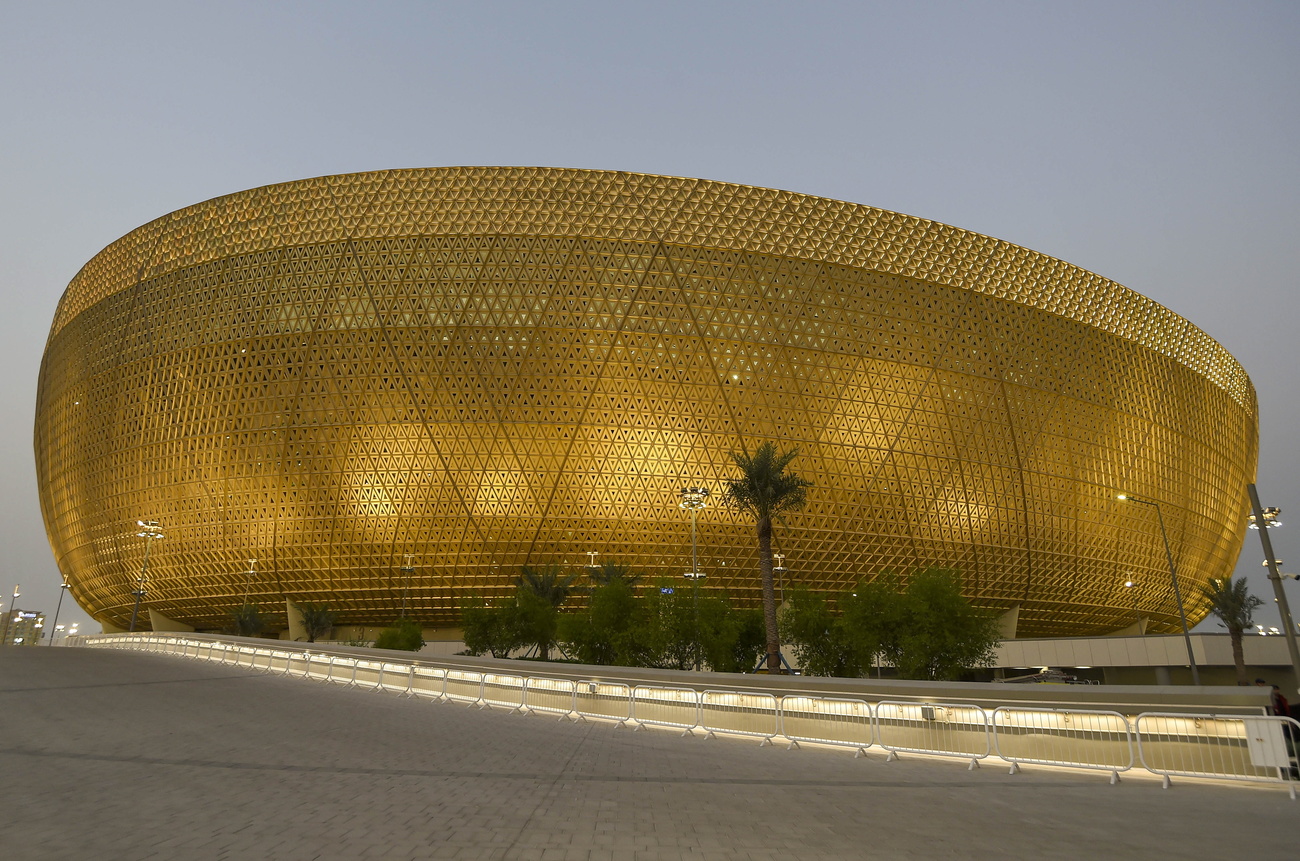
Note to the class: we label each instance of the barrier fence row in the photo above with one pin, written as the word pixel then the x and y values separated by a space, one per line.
pixel 1256 748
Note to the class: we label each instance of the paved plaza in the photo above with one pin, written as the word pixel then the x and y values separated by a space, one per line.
pixel 122 755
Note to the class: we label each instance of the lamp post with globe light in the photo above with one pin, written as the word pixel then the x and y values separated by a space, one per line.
pixel 150 531
pixel 1173 576
pixel 695 500
pixel 1263 519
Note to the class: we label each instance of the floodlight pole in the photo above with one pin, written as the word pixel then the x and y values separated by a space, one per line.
pixel 54 626
pixel 1173 576
pixel 248 578
pixel 13 608
pixel 1129 586
pixel 693 500
pixel 150 531
pixel 407 571
pixel 1262 522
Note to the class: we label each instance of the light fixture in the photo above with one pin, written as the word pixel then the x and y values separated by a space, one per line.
pixel 150 531
pixel 13 608
pixel 1173 577
pixel 695 500
pixel 1271 517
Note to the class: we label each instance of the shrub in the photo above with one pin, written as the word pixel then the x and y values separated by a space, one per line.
pixel 402 634
pixel 248 620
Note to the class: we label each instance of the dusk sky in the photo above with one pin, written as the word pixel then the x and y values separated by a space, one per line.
pixel 1157 144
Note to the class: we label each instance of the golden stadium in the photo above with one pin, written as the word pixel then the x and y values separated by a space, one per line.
pixel 458 371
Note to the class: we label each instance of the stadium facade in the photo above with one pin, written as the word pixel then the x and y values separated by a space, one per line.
pixel 458 371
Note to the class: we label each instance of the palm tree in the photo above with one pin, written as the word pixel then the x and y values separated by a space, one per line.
pixel 1235 607
pixel 248 620
pixel 611 571
pixel 540 592
pixel 317 619
pixel 765 491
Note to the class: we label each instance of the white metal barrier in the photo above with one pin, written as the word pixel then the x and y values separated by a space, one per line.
pixel 1072 738
pixel 319 668
pixel 427 681
pixel 1254 748
pixel 740 713
pixel 603 700
pixel 937 729
pixel 395 678
pixel 462 686
pixel 552 696
pixel 1239 747
pixel 827 720
pixel 503 690
pixel 678 708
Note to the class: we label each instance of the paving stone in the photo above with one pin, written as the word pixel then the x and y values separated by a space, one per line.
pixel 120 755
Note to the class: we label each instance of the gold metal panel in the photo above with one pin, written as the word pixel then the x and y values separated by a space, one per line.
pixel 490 366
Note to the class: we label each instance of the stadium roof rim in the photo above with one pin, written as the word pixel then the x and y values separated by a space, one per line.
pixel 626 206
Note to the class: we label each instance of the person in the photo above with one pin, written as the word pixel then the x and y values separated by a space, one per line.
pixel 1274 693
pixel 1279 703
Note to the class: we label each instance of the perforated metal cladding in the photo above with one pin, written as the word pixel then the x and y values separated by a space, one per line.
pixel 486 367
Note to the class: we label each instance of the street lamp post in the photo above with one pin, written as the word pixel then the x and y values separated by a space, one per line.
pixel 1173 576
pixel 1131 586
pixel 1263 519
pixel 13 608
pixel 248 578
pixel 407 570
pixel 150 531
pixel 780 575
pixel 54 627
pixel 695 500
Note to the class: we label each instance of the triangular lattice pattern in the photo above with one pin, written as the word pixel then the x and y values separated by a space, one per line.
pixel 483 367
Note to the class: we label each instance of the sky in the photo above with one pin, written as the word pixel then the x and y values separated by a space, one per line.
pixel 1155 143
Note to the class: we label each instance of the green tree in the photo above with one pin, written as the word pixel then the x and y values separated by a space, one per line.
pixel 606 632
pixel 540 592
pixel 873 617
pixel 248 620
pixel 940 633
pixel 665 629
pixel 731 640
pixel 491 630
pixel 1231 602
pixel 404 634
pixel 317 620
pixel 818 635
pixel 765 491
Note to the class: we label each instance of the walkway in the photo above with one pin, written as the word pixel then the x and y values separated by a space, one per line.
pixel 121 755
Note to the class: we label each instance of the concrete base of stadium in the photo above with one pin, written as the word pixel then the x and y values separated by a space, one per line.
pixel 133 755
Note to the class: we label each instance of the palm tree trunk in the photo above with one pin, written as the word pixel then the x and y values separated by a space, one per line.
pixel 1238 656
pixel 769 595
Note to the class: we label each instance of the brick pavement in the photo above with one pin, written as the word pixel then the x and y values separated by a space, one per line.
pixel 121 755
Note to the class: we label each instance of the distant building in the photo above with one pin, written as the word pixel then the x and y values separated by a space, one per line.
pixel 26 628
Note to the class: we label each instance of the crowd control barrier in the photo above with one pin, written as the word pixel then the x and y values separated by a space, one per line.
pixel 603 701
pixel 746 714
pixel 824 720
pixel 1235 747
pixel 1259 749
pixel 937 729
pixel 1069 738
pixel 675 708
